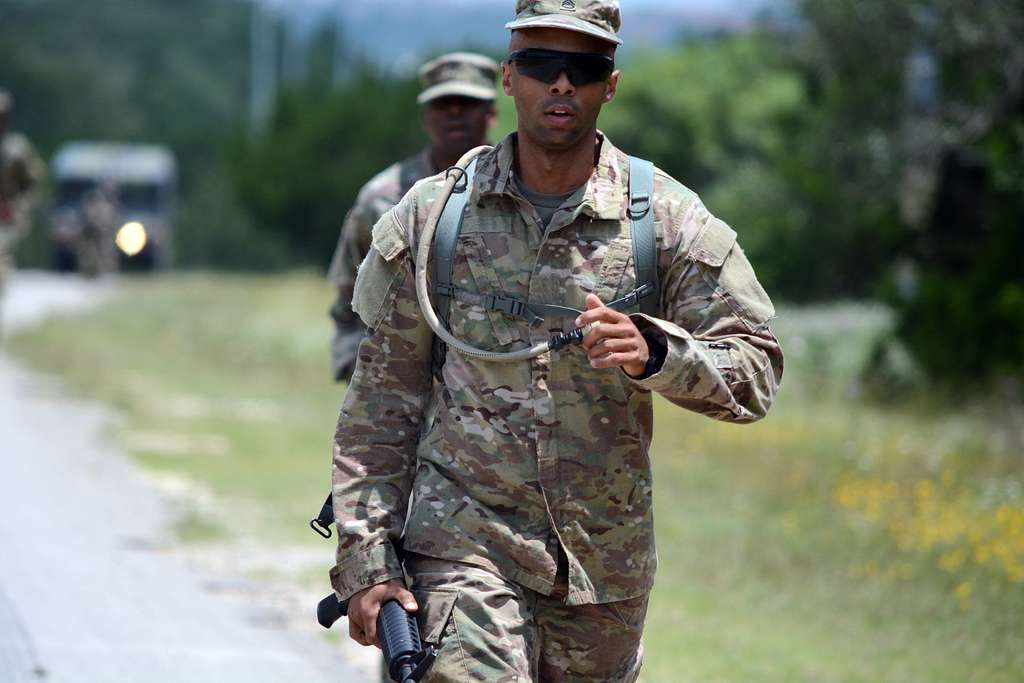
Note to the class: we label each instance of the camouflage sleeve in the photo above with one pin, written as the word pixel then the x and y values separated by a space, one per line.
pixel 721 359
pixel 379 426
pixel 29 172
pixel 353 245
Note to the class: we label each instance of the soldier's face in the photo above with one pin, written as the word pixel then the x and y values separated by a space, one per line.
pixel 559 114
pixel 457 124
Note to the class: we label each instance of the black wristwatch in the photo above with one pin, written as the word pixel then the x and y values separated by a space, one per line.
pixel 656 351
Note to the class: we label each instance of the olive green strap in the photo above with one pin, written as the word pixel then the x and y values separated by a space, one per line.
pixel 644 234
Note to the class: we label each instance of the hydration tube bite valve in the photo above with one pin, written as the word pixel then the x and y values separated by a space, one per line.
pixel 574 338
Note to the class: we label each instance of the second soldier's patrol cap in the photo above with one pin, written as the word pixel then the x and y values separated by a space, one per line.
pixel 462 74
pixel 598 18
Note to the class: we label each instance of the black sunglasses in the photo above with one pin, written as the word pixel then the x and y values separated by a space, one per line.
pixel 545 65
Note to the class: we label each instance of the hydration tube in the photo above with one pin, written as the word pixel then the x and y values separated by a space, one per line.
pixel 455 175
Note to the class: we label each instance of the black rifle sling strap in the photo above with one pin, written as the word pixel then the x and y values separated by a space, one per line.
pixel 446 237
pixel 323 521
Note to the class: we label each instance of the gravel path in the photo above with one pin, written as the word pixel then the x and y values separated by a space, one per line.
pixel 90 590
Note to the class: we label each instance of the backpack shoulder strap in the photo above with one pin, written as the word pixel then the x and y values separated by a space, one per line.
pixel 644 235
pixel 409 171
pixel 446 237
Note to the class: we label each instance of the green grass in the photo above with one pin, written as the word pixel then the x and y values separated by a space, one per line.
pixel 837 541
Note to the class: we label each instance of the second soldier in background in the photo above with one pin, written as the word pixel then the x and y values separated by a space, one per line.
pixel 458 110
pixel 21 171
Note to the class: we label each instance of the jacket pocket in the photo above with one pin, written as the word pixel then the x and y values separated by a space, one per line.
pixel 479 263
pixel 617 276
pixel 727 271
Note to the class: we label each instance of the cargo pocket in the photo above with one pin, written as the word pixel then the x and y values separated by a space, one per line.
pixel 436 621
pixel 727 271
pixel 617 276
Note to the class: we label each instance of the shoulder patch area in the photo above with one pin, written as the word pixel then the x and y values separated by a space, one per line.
pixel 389 237
pixel 713 244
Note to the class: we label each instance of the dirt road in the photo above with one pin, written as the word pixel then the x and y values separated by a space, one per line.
pixel 90 588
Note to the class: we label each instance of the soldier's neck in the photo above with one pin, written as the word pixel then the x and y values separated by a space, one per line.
pixel 555 171
pixel 442 161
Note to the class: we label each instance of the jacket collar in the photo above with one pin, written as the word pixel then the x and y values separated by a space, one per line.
pixel 604 198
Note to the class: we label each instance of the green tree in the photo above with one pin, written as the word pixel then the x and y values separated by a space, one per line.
pixel 763 136
pixel 946 144
pixel 145 70
pixel 172 73
pixel 302 175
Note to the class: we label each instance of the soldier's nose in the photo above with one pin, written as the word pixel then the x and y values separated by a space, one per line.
pixel 562 85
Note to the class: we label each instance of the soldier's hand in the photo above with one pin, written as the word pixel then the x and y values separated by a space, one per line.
pixel 614 342
pixel 364 607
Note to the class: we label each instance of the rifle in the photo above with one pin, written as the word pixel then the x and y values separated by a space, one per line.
pixel 407 660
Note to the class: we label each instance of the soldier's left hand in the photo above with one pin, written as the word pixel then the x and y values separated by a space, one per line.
pixel 615 342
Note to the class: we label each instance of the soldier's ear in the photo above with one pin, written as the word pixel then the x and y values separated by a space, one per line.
pixel 506 78
pixel 613 86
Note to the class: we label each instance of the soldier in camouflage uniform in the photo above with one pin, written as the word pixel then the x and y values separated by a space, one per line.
pixel 21 170
pixel 521 493
pixel 99 215
pixel 458 109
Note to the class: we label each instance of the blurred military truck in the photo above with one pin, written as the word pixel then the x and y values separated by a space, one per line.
pixel 114 206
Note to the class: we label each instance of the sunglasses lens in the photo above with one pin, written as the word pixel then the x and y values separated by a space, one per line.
pixel 540 68
pixel 588 69
pixel 545 66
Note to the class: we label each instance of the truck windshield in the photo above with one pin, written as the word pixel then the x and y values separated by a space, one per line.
pixel 140 197
pixel 146 197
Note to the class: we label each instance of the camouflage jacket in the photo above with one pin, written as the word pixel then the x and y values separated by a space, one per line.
pixel 21 171
pixel 380 194
pixel 497 465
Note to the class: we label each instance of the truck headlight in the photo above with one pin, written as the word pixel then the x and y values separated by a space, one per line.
pixel 131 238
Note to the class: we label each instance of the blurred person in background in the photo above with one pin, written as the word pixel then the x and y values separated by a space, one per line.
pixel 98 217
pixel 458 110
pixel 516 498
pixel 21 171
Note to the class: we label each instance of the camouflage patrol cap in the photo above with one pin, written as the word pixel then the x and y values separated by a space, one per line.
pixel 6 101
pixel 459 73
pixel 598 18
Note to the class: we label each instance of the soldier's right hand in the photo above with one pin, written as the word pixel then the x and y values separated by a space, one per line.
pixel 364 607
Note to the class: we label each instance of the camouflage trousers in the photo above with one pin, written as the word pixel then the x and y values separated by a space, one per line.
pixel 490 629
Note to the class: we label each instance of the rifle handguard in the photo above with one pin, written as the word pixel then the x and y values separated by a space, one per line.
pixel 399 635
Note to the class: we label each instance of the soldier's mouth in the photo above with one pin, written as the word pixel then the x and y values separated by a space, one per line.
pixel 560 117
pixel 560 112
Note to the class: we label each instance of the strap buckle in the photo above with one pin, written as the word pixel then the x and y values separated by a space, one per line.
pixel 639 205
pixel 513 307
pixel 319 527
pixel 321 524
pixel 633 298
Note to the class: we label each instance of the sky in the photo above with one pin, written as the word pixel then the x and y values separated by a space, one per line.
pixel 400 33
pixel 626 5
